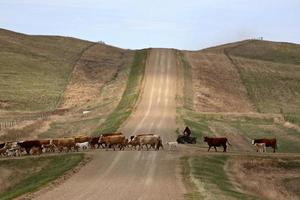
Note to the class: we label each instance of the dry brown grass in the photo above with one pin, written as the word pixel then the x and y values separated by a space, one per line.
pixel 266 177
pixel 97 66
pixel 216 84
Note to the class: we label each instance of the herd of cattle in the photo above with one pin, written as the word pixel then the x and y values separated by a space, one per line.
pixel 111 140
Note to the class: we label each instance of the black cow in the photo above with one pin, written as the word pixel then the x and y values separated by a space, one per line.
pixel 28 144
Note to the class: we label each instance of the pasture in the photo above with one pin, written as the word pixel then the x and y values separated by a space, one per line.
pixel 28 174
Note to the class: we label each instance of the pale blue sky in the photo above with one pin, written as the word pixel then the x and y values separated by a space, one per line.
pixel 186 24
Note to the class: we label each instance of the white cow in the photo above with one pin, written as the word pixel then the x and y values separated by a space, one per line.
pixel 260 147
pixel 172 145
pixel 82 145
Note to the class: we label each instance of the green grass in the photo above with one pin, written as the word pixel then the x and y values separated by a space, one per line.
pixel 269 51
pixel 71 128
pixel 34 70
pixel 273 87
pixel 293 118
pixel 55 167
pixel 209 170
pixel 188 84
pixel 129 97
pixel 246 126
pixel 285 144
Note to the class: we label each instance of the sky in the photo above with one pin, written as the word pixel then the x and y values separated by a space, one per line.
pixel 136 24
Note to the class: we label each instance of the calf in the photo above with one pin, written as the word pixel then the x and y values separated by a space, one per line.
pixel 269 142
pixel 216 142
pixel 82 145
pixel 260 147
pixel 172 145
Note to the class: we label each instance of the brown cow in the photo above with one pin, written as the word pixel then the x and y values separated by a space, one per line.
pixel 81 139
pixel 269 142
pixel 35 150
pixel 216 142
pixel 64 143
pixel 113 140
pixel 28 144
pixel 45 141
pixel 152 140
pixel 94 141
pixel 110 134
pixel 134 143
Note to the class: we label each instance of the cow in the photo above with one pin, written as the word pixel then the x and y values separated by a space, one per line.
pixel 81 139
pixel 216 142
pixel 2 145
pixel 48 148
pixel 152 140
pixel 134 143
pixel 45 141
pixel 82 145
pixel 3 151
pixel 28 144
pixel 172 145
pixel 35 150
pixel 62 143
pixel 94 141
pixel 111 134
pixel 15 151
pixel 269 142
pixel 260 147
pixel 112 140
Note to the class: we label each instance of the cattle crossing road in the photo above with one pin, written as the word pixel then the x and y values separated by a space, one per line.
pixel 136 174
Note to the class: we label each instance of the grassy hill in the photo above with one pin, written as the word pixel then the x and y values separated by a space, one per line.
pixel 43 73
pixel 251 75
pixel 271 73
pixel 34 70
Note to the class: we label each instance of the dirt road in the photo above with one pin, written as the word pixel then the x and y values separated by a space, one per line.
pixel 136 174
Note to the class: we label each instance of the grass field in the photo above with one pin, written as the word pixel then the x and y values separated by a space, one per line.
pixel 271 73
pixel 242 127
pixel 188 84
pixel 271 80
pixel 29 174
pixel 130 95
pixel 35 69
pixel 210 178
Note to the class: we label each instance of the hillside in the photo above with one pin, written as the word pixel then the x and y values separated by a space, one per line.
pixel 35 69
pixel 46 73
pixel 255 76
